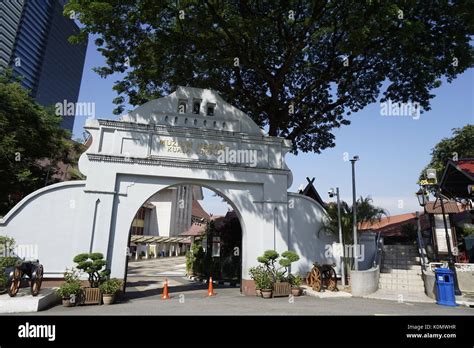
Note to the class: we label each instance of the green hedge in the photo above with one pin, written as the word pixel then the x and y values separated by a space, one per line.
pixel 5 262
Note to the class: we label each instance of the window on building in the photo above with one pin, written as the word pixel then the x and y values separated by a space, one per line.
pixel 210 109
pixel 182 106
pixel 138 223
pixel 196 106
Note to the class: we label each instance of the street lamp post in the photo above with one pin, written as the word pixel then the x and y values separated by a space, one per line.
pixel 354 213
pixel 423 199
pixel 339 226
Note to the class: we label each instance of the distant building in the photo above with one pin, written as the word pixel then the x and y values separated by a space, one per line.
pixel 169 212
pixel 163 218
pixel 34 43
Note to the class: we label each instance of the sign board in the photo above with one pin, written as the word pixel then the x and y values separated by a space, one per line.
pixel 440 233
pixel 428 182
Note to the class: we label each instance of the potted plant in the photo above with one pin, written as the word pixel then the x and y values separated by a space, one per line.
pixel 94 265
pixel 68 293
pixel 280 285
pixel 295 281
pixel 109 289
pixel 266 284
pixel 257 274
pixel 70 289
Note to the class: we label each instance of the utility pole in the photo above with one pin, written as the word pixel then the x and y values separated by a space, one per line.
pixel 354 213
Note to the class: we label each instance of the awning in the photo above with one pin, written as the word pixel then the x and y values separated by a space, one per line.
pixel 457 177
pixel 140 239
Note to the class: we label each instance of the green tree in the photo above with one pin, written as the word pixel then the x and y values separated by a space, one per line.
pixel 366 213
pixel 28 133
pixel 298 68
pixel 460 145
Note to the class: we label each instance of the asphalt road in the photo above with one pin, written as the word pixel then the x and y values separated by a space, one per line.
pixel 144 289
pixel 191 299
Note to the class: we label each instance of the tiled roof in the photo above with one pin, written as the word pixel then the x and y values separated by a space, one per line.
pixel 392 225
pixel 198 211
pixel 196 229
pixel 388 220
pixel 466 165
pixel 450 207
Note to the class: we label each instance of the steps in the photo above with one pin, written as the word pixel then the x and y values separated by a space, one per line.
pixel 401 270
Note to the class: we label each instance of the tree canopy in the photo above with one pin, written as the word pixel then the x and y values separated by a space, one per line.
pixel 298 68
pixel 28 133
pixel 460 145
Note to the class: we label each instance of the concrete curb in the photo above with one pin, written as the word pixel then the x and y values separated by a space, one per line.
pixel 325 294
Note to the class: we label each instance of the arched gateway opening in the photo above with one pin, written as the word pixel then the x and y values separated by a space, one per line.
pixel 161 145
pixel 184 233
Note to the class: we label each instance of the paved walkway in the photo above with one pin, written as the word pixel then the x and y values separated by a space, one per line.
pixel 400 296
pixel 229 301
pixel 144 289
pixel 150 274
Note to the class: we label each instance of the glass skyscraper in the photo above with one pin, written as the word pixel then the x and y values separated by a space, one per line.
pixel 34 43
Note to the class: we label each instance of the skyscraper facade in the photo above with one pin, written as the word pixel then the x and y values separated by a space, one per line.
pixel 34 43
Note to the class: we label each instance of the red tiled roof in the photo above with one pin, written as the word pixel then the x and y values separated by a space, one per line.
pixel 196 229
pixel 466 165
pixel 198 211
pixel 392 225
pixel 388 220
pixel 450 207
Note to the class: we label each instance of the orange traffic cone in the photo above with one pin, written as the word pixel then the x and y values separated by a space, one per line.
pixel 210 289
pixel 165 295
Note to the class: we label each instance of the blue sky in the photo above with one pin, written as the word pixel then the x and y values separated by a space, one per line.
pixel 392 150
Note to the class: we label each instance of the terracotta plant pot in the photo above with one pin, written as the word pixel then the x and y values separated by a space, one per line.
pixel 266 293
pixel 296 291
pixel 258 292
pixel 108 299
pixel 67 302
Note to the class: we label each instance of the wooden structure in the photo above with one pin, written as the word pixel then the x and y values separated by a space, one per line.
pixel 322 276
pixel 281 289
pixel 32 269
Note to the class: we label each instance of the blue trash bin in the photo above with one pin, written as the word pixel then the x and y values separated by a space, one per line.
pixel 445 287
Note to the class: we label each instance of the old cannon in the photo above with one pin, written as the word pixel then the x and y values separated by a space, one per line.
pixel 322 276
pixel 17 273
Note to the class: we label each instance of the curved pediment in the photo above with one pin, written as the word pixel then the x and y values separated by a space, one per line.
pixel 191 127
pixel 194 108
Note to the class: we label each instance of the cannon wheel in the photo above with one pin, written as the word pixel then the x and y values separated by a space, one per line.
pixel 15 282
pixel 37 281
pixel 331 280
pixel 316 278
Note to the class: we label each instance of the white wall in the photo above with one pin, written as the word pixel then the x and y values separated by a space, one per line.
pixel 161 214
pixel 57 220
pixel 305 223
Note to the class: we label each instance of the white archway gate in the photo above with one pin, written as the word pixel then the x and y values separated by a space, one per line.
pixel 191 136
